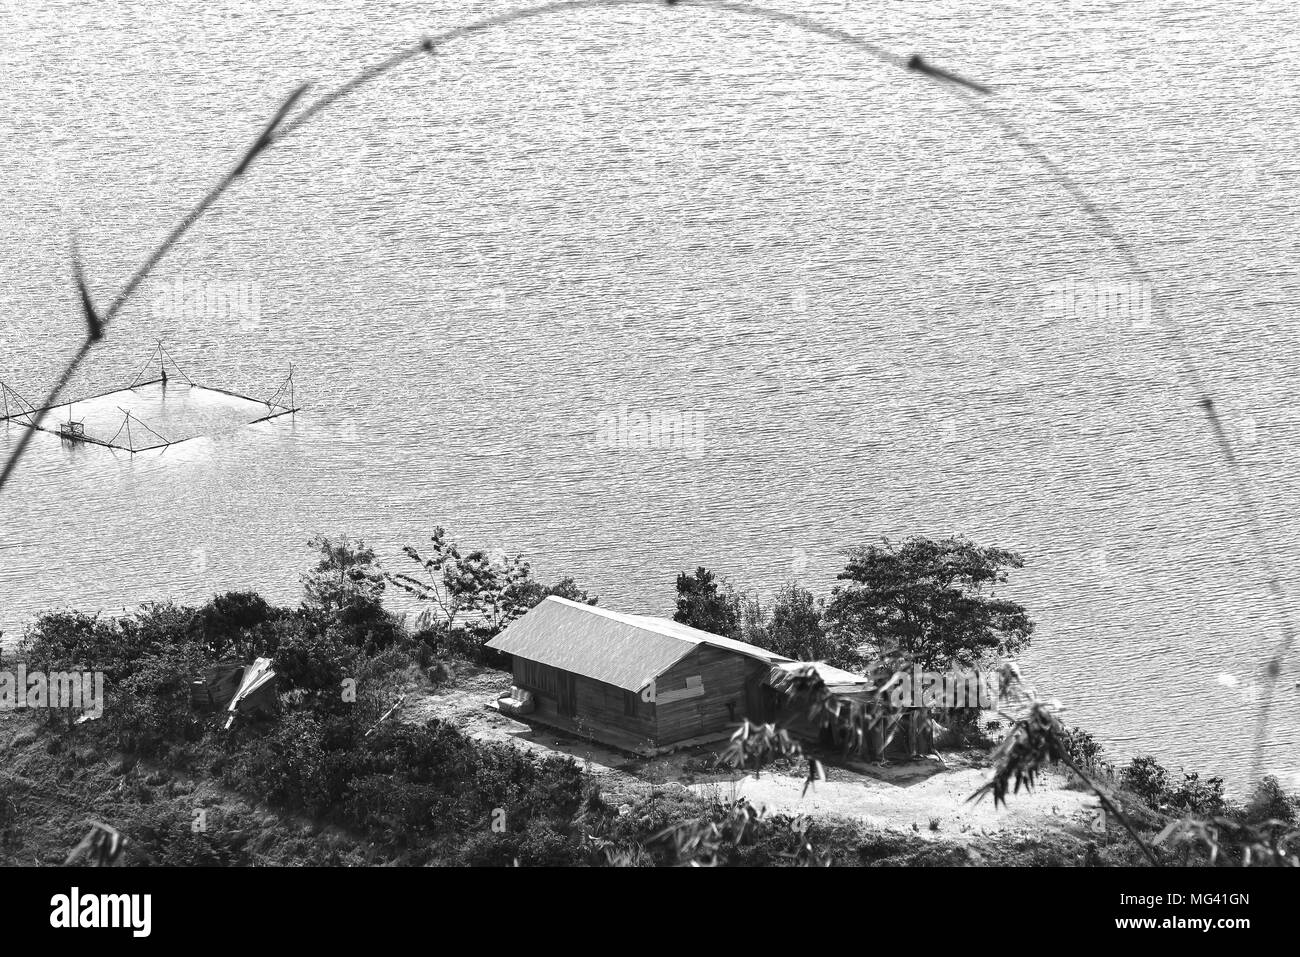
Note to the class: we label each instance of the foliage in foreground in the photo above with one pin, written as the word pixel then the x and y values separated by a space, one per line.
pixel 1207 829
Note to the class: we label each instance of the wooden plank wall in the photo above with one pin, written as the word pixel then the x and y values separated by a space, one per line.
pixel 598 705
pixel 607 706
pixel 542 680
pixel 723 704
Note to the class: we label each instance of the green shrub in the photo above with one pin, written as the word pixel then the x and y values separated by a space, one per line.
pixel 363 623
pixel 1146 778
pixel 508 778
pixel 288 766
pixel 168 837
pixel 149 709
pixel 1196 796
pixel 315 662
pixel 235 625
pixel 72 640
pixel 384 675
pixel 1086 752
pixel 439 673
pixel 1270 803
pixel 462 643
pixel 538 844
pixel 652 814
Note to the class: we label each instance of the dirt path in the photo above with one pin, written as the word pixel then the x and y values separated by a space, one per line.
pixel 931 801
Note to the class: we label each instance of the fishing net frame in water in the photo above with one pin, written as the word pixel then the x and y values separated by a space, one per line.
pixel 975 95
pixel 15 408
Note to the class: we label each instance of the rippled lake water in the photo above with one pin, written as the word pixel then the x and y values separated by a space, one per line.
pixel 637 289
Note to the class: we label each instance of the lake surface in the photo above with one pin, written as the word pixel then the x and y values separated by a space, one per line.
pixel 638 289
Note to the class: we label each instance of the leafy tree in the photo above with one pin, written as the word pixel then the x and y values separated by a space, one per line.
pixel 1146 778
pixel 532 593
pixel 344 592
pixel 237 610
pixel 465 585
pixel 929 603
pixel 703 604
pixel 797 629
pixel 235 624
pixel 344 571
pixel 568 588
pixel 793 627
pixel 755 621
pixel 457 582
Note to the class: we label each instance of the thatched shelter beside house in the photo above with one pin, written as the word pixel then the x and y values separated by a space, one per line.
pixel 647 684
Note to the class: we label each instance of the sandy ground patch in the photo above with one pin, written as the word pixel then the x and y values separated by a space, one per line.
pixel 901 796
pixel 930 801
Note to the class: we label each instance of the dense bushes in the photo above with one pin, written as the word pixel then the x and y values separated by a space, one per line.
pixel 118 647
pixel 151 707
pixel 171 839
pixel 538 844
pixel 288 766
pixel 1086 752
pixel 147 659
pixel 341 660
pixel 237 625
pixel 404 783
pixel 1270 803
pixel 315 662
pixel 1148 780
pixel 363 623
pixel 1269 813
pixel 1197 795
pixel 465 642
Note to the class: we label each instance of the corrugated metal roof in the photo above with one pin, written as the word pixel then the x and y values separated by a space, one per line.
pixel 667 626
pixel 837 680
pixel 626 651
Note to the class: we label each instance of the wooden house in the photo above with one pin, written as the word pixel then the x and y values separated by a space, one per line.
pixel 646 684
pixel 634 681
